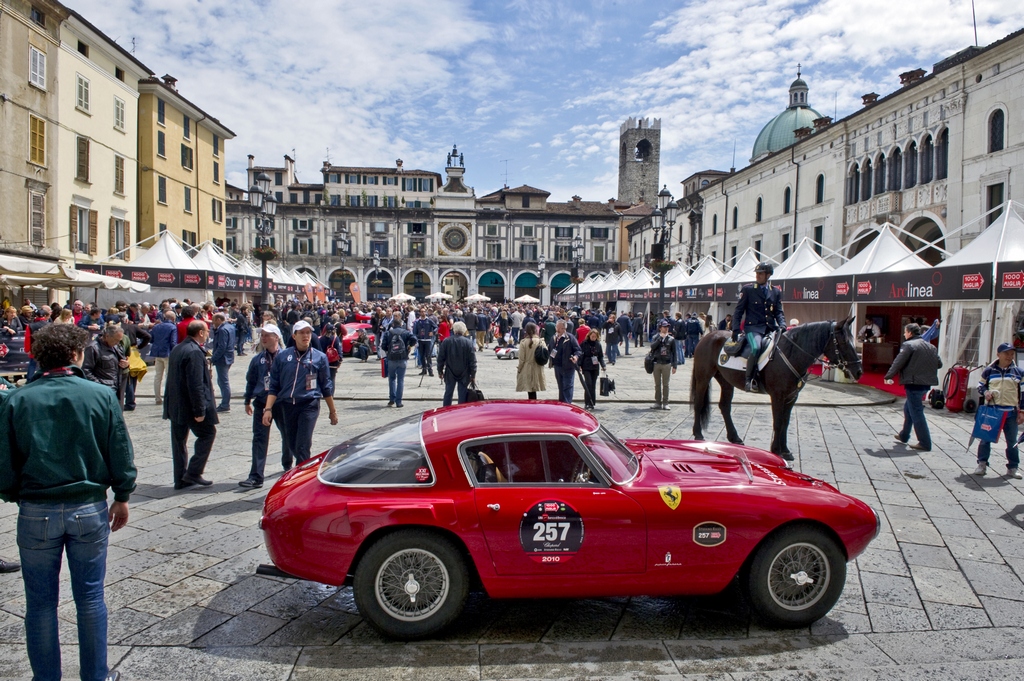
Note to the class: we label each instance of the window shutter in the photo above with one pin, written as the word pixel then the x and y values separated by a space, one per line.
pixel 73 222
pixel 94 231
pixel 82 169
pixel 295 245
pixel 38 220
pixel 127 241
pixel 113 237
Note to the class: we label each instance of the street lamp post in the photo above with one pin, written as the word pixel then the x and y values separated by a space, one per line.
pixel 541 263
pixel 376 265
pixel 265 204
pixel 342 246
pixel 662 220
pixel 577 258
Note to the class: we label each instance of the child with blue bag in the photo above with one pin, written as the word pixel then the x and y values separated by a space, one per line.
pixel 1000 390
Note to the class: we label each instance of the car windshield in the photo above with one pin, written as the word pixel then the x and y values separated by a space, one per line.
pixel 618 462
pixel 391 455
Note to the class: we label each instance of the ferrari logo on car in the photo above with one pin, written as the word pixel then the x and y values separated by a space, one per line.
pixel 670 495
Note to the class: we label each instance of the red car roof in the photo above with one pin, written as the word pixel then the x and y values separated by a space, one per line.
pixel 503 417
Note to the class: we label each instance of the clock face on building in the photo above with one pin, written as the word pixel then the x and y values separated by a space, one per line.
pixel 455 240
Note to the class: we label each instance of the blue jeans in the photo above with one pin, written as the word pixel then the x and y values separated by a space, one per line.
pixel 223 385
pixel 625 339
pixel 515 335
pixel 913 414
pixel 299 419
pixel 1012 450
pixel 566 380
pixel 361 351
pixel 45 531
pixel 682 351
pixel 691 344
pixel 613 351
pixel 396 380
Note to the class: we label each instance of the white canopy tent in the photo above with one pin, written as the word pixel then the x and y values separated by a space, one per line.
pixel 805 263
pixel 166 253
pixel 209 258
pixel 973 329
pixel 885 254
pixel 732 281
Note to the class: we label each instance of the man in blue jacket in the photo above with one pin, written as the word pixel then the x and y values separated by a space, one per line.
pixel 223 356
pixel 625 329
pixel 165 337
pixel 565 355
pixel 299 378
pixel 257 389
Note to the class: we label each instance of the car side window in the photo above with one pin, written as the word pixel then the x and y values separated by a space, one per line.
pixel 528 462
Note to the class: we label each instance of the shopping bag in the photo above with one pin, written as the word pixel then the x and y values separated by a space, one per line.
pixel 136 365
pixel 988 423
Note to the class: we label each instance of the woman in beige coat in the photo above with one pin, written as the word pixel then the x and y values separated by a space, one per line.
pixel 530 375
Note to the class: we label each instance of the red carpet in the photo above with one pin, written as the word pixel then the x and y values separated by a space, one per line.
pixel 872 379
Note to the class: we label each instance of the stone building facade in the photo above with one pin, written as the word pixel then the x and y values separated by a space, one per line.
pixel 930 157
pixel 430 234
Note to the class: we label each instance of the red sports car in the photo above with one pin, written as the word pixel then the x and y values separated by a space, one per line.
pixel 537 499
pixel 348 334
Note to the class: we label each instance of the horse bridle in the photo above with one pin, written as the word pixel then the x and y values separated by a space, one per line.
pixel 840 363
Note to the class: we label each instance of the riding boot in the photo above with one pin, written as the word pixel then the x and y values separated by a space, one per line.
pixel 751 384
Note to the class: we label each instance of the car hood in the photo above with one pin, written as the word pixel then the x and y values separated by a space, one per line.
pixel 714 463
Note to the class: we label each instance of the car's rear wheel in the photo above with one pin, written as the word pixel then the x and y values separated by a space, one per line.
pixel 411 584
pixel 796 577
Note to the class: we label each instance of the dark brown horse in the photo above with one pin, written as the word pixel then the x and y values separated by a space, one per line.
pixel 782 377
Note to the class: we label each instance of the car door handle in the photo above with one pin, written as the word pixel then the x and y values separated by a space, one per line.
pixel 494 507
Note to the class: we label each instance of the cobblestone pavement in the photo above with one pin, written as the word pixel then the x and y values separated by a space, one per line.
pixel 939 595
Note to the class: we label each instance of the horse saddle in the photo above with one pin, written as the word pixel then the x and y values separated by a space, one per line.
pixel 732 357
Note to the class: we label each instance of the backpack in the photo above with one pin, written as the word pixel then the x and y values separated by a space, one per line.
pixel 541 355
pixel 332 354
pixel 397 350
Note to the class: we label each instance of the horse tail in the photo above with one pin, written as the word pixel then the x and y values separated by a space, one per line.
pixel 700 398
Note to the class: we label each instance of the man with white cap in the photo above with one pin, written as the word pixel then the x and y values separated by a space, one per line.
pixel 257 389
pixel 299 378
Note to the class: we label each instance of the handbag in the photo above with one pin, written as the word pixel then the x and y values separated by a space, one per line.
pixel 136 365
pixel 607 386
pixel 541 354
pixel 474 394
pixel 383 367
pixel 988 423
pixel 649 363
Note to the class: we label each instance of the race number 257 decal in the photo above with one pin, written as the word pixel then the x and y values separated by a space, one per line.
pixel 551 532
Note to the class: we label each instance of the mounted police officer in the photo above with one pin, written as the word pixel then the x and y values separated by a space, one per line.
pixel 760 311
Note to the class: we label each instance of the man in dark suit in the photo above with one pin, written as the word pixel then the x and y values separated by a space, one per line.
pixel 188 404
pixel 758 311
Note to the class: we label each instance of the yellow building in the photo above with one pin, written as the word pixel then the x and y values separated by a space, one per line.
pixel 182 163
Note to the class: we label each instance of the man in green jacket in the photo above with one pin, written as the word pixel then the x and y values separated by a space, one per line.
pixel 59 476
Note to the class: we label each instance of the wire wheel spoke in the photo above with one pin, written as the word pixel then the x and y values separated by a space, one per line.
pixel 412 584
pixel 799 576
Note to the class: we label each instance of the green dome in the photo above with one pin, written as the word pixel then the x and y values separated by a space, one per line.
pixel 778 134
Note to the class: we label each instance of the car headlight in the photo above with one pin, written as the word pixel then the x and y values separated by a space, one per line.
pixel 878 525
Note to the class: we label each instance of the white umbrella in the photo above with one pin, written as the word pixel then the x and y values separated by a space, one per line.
pixel 526 299
pixel 402 298
pixel 440 295
pixel 478 298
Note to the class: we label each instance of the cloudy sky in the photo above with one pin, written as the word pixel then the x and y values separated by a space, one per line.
pixel 534 88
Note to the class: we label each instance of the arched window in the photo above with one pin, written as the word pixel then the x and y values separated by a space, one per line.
pixel 819 189
pixel 866 184
pixel 880 174
pixel 896 170
pixel 786 196
pixel 714 223
pixel 735 217
pixel 927 160
pixel 757 211
pixel 910 166
pixel 942 156
pixel 853 186
pixel 996 123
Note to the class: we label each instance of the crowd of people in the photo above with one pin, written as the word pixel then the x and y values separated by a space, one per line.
pixel 86 363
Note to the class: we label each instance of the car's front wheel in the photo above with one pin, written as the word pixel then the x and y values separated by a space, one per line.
pixel 796 577
pixel 411 584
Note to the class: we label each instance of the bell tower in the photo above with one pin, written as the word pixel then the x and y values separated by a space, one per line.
pixel 639 160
